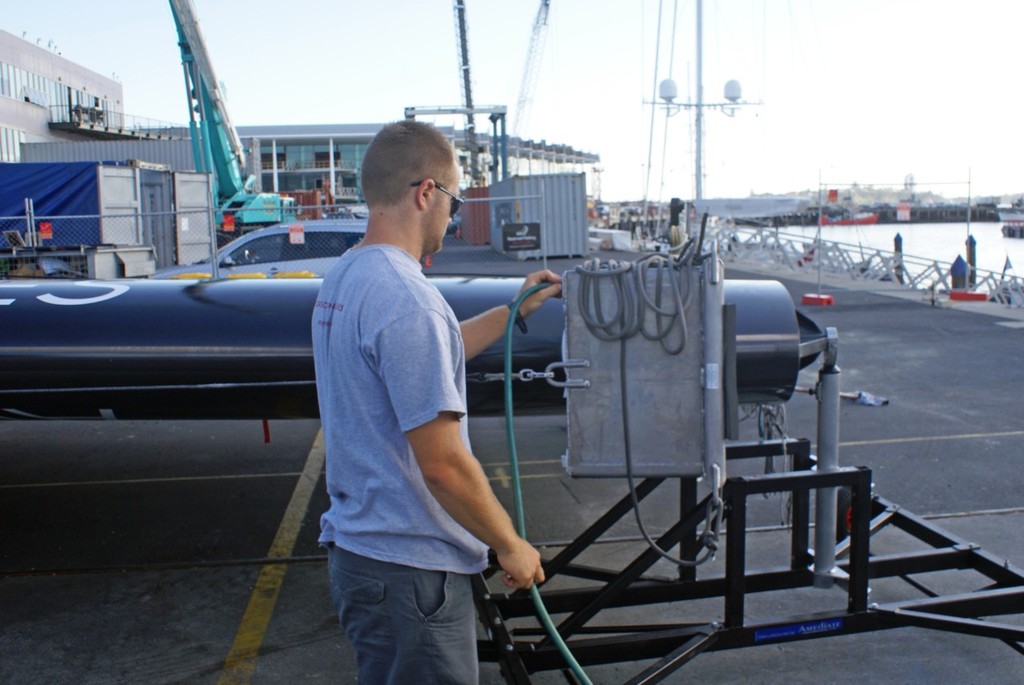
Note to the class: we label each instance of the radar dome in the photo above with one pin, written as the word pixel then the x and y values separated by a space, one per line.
pixel 667 90
pixel 733 91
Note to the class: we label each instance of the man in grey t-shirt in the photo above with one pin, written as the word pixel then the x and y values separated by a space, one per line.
pixel 412 513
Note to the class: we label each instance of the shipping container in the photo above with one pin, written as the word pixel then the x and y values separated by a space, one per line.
pixel 475 221
pixel 74 204
pixel 540 216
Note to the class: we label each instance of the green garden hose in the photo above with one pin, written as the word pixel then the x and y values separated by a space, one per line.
pixel 517 490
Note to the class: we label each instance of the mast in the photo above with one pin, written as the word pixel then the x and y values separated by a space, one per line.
pixel 699 123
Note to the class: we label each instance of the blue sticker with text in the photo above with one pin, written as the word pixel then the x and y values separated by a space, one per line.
pixel 798 629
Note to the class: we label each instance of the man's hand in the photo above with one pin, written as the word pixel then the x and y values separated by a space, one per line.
pixel 521 564
pixel 534 302
pixel 484 329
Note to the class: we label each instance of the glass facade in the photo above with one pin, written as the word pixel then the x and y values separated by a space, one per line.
pixel 306 165
pixel 63 102
pixel 10 144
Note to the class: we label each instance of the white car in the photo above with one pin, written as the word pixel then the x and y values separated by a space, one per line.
pixel 296 248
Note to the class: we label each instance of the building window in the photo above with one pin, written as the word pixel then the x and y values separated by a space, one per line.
pixel 10 144
pixel 323 159
pixel 267 161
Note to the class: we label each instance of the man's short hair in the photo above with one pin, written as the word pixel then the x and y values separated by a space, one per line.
pixel 401 153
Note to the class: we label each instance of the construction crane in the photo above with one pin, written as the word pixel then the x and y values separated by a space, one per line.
pixel 533 55
pixel 215 144
pixel 499 168
pixel 467 89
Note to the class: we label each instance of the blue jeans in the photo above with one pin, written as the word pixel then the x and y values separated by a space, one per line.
pixel 407 625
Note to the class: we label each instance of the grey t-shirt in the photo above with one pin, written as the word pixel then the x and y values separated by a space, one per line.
pixel 389 358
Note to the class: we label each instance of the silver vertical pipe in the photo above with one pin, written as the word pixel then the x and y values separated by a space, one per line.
pixel 827 393
pixel 714 414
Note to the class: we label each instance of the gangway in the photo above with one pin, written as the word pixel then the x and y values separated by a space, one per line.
pixel 780 250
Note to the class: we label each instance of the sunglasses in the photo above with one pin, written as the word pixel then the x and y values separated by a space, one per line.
pixel 455 201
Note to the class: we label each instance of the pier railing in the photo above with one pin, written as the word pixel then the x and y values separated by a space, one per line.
pixel 774 248
pixel 765 246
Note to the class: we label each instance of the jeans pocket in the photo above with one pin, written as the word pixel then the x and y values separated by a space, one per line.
pixel 431 591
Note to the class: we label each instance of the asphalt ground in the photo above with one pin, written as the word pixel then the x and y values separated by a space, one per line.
pixel 185 552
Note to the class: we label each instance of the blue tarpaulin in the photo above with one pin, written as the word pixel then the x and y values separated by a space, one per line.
pixel 57 189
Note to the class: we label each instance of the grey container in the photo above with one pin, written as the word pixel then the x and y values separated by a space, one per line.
pixel 174 154
pixel 558 202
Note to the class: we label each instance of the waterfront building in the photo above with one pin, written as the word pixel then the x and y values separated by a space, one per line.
pixel 47 98
pixel 54 110
pixel 328 157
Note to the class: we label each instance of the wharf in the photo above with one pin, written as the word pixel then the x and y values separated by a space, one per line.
pixel 919 214
pixel 887 214
pixel 937 214
pixel 129 551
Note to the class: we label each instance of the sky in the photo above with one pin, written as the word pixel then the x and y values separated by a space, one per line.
pixel 839 93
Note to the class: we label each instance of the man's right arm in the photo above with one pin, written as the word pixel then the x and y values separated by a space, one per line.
pixel 456 479
pixel 479 332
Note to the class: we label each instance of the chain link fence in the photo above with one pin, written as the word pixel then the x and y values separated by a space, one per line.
pixel 107 246
pixel 499 231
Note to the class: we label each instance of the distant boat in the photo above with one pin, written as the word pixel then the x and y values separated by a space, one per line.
pixel 850 219
pixel 1012 213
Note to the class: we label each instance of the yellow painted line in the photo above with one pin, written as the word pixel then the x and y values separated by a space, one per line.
pixel 501 476
pixel 145 481
pixel 241 660
pixel 930 438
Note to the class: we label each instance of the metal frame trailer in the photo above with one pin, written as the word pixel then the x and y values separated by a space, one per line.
pixel 583 599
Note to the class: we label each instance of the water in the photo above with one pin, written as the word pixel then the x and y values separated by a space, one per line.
pixel 938 242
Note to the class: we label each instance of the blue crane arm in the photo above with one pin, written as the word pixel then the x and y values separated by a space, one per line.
pixel 215 143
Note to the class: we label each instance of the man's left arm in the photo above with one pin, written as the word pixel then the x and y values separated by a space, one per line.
pixel 481 331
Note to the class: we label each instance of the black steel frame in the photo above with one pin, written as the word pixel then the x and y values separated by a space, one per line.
pixel 525 648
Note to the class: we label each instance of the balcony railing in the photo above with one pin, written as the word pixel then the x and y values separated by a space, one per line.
pixel 111 124
pixel 305 165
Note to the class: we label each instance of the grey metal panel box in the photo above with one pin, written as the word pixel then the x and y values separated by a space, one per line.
pixel 558 202
pixel 665 392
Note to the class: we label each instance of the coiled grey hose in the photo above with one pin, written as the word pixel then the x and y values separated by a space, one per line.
pixel 632 300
